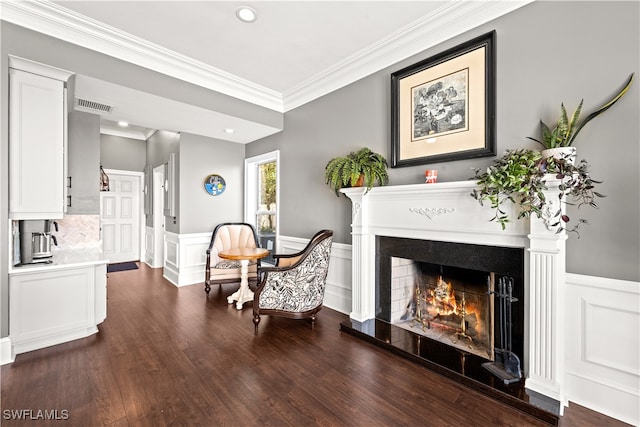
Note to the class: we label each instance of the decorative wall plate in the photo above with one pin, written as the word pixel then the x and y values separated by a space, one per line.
pixel 214 184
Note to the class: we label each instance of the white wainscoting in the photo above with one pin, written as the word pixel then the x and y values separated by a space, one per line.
pixel 148 247
pixel 185 258
pixel 603 345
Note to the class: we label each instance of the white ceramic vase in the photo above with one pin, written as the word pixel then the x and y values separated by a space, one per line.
pixel 568 153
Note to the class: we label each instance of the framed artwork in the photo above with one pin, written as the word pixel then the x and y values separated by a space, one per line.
pixel 443 108
pixel 214 184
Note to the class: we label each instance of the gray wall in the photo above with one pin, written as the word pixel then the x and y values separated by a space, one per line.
pixel 128 154
pixel 199 157
pixel 546 53
pixel 83 159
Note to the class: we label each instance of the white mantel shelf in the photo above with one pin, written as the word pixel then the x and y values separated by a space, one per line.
pixel 447 212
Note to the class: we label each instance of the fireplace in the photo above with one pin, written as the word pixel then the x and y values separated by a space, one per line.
pixel 435 281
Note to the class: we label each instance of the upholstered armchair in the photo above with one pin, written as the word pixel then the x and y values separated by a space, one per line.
pixel 294 288
pixel 226 236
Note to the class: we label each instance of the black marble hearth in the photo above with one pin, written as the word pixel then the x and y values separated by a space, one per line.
pixel 453 363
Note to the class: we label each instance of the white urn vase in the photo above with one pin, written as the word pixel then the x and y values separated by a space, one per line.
pixel 568 153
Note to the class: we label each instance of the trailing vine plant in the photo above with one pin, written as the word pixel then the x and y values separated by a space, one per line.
pixel 520 177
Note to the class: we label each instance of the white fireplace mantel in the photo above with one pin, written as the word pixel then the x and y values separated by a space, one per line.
pixel 447 212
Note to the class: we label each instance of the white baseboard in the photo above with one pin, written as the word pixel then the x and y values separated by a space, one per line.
pixel 602 317
pixel 6 353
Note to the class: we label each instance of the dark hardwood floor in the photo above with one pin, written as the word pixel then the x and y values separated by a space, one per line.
pixel 170 356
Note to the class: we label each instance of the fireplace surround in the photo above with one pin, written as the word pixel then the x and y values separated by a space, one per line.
pixel 441 225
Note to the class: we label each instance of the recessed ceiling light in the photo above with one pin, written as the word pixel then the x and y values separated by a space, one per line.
pixel 246 14
pixel 229 130
pixel 123 123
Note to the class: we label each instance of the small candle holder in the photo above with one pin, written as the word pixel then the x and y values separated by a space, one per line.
pixel 431 176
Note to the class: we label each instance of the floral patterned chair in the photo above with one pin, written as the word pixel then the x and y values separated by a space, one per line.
pixel 226 236
pixel 294 288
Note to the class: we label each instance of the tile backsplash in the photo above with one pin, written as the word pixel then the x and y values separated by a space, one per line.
pixel 78 232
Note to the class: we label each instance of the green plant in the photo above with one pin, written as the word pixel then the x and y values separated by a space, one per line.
pixel 345 171
pixel 566 130
pixel 520 177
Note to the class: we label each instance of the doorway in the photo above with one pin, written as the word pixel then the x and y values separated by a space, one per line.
pixel 121 216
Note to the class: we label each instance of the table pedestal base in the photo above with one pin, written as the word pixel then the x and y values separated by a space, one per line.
pixel 244 294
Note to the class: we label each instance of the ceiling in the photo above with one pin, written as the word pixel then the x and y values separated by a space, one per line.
pixel 288 43
pixel 294 52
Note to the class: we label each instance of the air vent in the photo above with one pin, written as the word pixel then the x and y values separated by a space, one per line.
pixel 92 105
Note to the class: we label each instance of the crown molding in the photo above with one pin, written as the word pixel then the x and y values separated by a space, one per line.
pixel 124 133
pixel 452 19
pixel 56 21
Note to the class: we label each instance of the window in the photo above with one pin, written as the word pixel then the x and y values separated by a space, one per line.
pixel 261 198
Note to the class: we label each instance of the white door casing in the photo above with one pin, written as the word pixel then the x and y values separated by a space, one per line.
pixel 158 216
pixel 120 216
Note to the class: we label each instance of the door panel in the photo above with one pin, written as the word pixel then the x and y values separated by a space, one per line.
pixel 120 215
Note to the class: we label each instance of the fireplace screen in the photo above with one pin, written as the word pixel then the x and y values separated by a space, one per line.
pixel 452 305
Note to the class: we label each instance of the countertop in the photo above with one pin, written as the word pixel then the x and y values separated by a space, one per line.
pixel 67 258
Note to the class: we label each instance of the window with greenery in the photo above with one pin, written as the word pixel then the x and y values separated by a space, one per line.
pixel 266 221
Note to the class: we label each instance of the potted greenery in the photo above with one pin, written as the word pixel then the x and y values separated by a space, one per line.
pixel 358 168
pixel 520 177
pixel 566 130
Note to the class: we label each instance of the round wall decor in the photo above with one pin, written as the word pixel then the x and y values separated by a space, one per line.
pixel 214 184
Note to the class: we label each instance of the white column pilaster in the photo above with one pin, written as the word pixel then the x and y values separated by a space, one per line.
pixel 545 302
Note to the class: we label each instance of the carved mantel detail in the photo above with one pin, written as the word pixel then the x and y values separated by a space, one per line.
pixel 432 212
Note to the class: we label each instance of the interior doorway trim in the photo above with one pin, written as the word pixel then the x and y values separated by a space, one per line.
pixel 141 219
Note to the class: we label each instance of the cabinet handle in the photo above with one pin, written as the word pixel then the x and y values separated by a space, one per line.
pixel 68 201
pixel 68 182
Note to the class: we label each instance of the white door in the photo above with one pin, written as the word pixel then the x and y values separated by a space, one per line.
pixel 120 217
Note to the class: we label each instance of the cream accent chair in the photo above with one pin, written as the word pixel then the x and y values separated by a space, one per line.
pixel 226 236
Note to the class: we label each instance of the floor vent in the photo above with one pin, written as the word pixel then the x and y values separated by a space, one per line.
pixel 92 105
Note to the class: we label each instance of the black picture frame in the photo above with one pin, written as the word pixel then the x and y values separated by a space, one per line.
pixel 443 107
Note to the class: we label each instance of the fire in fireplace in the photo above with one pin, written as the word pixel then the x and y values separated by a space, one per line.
pixel 447 304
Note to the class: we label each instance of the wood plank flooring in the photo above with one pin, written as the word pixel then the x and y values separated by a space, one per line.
pixel 169 356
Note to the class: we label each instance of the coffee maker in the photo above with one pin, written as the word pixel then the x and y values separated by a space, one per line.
pixel 35 240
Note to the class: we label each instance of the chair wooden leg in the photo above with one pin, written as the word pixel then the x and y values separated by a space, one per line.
pixel 207 287
pixel 313 320
pixel 256 321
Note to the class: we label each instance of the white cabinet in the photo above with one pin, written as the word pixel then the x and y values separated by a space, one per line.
pixel 37 138
pixel 52 306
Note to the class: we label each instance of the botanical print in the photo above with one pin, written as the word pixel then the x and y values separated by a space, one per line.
pixel 440 106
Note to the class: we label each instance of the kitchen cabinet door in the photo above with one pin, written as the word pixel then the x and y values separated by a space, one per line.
pixel 37 135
